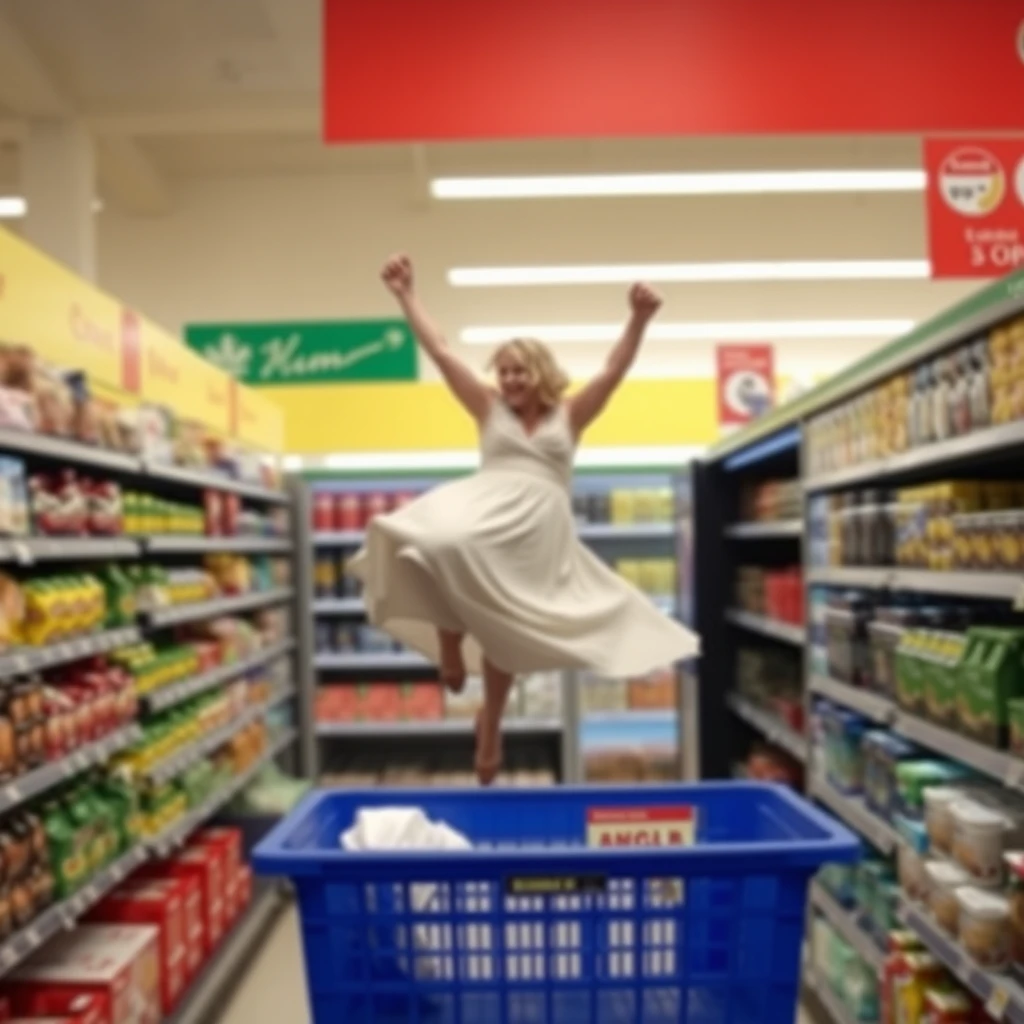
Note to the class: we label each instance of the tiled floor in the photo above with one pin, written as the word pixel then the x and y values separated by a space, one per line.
pixel 274 990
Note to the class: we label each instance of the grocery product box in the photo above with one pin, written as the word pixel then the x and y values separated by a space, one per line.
pixel 42 1006
pixel 227 844
pixel 203 870
pixel 160 904
pixel 118 962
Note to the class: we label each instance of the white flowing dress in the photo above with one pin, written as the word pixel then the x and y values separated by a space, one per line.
pixel 495 555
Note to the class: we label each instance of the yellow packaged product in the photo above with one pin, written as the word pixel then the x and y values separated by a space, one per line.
pixel 623 506
pixel 643 506
pixel 629 570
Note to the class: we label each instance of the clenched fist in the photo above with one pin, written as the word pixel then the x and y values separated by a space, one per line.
pixel 644 301
pixel 397 275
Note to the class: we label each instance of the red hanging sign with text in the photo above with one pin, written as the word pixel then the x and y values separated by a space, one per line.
pixel 412 70
pixel 975 206
pixel 746 382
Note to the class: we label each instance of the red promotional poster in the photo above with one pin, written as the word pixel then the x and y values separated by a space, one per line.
pixel 746 382
pixel 975 206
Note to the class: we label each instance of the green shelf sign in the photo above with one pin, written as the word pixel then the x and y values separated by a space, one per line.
pixel 308 352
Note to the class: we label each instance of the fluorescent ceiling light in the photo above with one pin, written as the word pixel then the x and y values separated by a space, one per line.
pixel 786 270
pixel 12 207
pixel 684 184
pixel 730 330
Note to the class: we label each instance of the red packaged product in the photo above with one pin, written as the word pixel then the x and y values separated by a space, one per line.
pixel 69 1007
pixel 231 510
pixel 193 914
pixel 228 843
pixel 206 866
pixel 119 962
pixel 348 513
pixel 323 512
pixel 244 887
pixel 158 903
pixel 376 504
pixel 212 515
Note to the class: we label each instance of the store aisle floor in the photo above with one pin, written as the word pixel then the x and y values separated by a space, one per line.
pixel 274 990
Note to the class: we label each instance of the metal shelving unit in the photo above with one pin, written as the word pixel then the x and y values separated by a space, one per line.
pixel 766 531
pixel 772 728
pixel 26 660
pixel 848 926
pixel 174 615
pixel 29 550
pixel 785 632
pixel 186 545
pixel 441 728
pixel 986 453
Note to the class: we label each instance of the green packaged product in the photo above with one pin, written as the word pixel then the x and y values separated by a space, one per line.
pixel 939 668
pixel 913 777
pixel 123 798
pixel 991 674
pixel 1015 714
pixel 910 690
pixel 69 853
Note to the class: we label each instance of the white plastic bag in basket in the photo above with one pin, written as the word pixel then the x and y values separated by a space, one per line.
pixel 408 828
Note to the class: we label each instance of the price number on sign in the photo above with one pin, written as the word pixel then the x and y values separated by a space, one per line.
pixel 997 256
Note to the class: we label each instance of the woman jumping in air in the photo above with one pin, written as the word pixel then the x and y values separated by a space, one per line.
pixel 485 574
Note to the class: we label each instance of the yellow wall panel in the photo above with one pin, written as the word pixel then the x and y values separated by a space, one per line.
pixel 423 416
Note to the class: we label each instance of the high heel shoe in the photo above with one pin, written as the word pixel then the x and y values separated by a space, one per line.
pixel 487 769
pixel 454 682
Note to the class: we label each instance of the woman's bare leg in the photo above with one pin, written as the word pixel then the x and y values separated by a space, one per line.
pixel 497 686
pixel 453 668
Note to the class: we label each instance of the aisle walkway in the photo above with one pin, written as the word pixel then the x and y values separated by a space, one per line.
pixel 274 989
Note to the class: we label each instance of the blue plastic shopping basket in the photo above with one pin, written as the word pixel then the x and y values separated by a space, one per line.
pixel 535 927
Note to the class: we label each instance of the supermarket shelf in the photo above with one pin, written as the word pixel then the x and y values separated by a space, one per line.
pixel 214 482
pixel 21 442
pixel 834 1007
pixel 169 696
pixel 774 729
pixel 982 442
pixel 279 696
pixel 205 997
pixel 766 531
pixel 997 763
pixel 62 916
pixel 854 812
pixel 175 614
pixel 1003 998
pixel 339 538
pixel 27 550
pixel 871 578
pixel 653 716
pixel 625 531
pixel 845 922
pixel 182 760
pixel 994 585
pixel 350 606
pixel 777 630
pixel 871 705
pixel 30 785
pixel 186 545
pixel 174 835
pixel 440 728
pixel 381 661
pixel 34 659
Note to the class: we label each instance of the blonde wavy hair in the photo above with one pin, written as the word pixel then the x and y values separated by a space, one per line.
pixel 546 375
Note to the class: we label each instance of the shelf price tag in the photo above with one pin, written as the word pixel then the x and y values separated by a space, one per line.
pixel 997 1003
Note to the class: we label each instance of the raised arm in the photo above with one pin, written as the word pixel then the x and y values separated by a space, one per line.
pixel 464 383
pixel 585 405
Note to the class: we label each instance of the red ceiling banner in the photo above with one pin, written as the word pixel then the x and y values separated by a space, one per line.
pixel 975 206
pixel 425 70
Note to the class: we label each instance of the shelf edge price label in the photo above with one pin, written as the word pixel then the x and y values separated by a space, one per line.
pixel 997 1003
